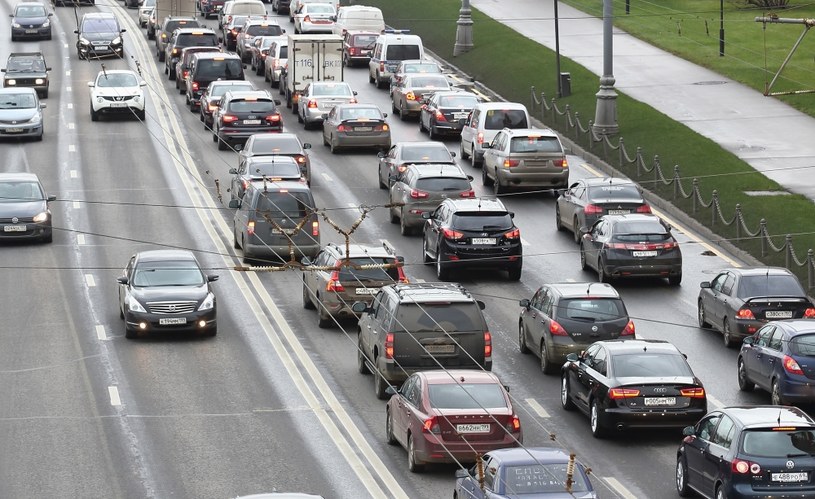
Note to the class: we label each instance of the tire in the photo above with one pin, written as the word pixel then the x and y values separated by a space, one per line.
pixel 727 336
pixel 583 264
pixel 334 149
pixel 700 315
pixel 371 78
pixel 171 74
pixel 403 116
pixel 94 115
pixel 442 271
pixel 362 361
pixel 597 429
pixel 45 93
pixel 161 56
pixel 212 332
pixel 486 181
pixel 675 280
pixel 576 229
pixel 389 438
pixel 140 115
pixel 324 320
pixel 222 145
pixel 307 303
pixel 421 124
pixel 745 385
pixel 497 188
pixel 565 399
pixel 325 142
pixel 558 223
pixel 432 134
pixel 394 218
pixel 514 273
pixel 720 492
pixel 546 365
pixel 425 257
pixel 601 272
pixel 682 478
pixel 380 386
pixel 775 394
pixel 413 465
pixel 404 229
pixel 380 83
pixel 524 349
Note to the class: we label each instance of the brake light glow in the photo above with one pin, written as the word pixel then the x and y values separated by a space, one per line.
pixel 250 228
pixel 431 425
pixel 809 313
pixel 563 163
pixel 513 234
pixel 694 393
pixel 623 393
pixel 341 128
pixel 315 228
pixel 440 116
pixel 468 194
pixel 514 425
pixel 592 209
pixel 195 86
pixel 300 159
pixel 389 346
pixel 417 194
pixel 509 163
pixel 382 128
pixel 382 67
pixel 452 234
pixel 742 467
pixel 556 329
pixel 480 138
pixel 791 366
pixel 643 209
pixel 334 283
pixel 307 19
pixel 410 96
pixel 487 345
pixel 234 31
pixel 352 51
pixel 629 329
pixel 312 104
pixel 745 313
pixel 273 118
pixel 185 73
pixel 213 107
pixel 228 118
pixel 402 277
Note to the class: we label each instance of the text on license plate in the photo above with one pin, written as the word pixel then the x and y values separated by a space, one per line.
pixel 14 228
pixel 14 130
pixel 643 253
pixel 619 212
pixel 483 240
pixel 652 401
pixel 363 128
pixel 169 321
pixel 778 314
pixel 440 348
pixel 789 477
pixel 366 291
pixel 251 122
pixel 460 116
pixel 31 31
pixel 118 104
pixel 473 428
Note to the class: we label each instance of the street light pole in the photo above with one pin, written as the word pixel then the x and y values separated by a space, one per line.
pixel 464 29
pixel 557 54
pixel 605 117
pixel 721 28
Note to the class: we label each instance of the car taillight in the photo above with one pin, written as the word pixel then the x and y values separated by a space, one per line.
pixel 556 329
pixel 440 116
pixel 410 96
pixel 694 393
pixel 234 31
pixel 334 283
pixel 468 194
pixel 629 329
pixel 273 118
pixel 352 51
pixel 228 118
pixel 791 366
pixel 809 313
pixel 623 393
pixel 245 184
pixel 389 346
pixel 213 108
pixel 563 163
pixel 307 19
pixel 745 313
pixel 195 86
pixel 644 209
pixel 185 73
pixel 401 168
pixel 175 52
pixel 452 234
pixel 312 104
pixel 742 467
pixel 513 234
pixel 417 194
pixel 381 67
pixel 592 209
pixel 382 128
pixel 250 228
pixel 514 425
pixel 342 128
pixel 480 138
pixel 487 344
pixel 402 277
pixel 315 228
pixel 431 425
pixel 300 159
pixel 509 163
pixel 164 36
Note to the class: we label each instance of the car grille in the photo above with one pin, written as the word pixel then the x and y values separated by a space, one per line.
pixel 118 98
pixel 21 220
pixel 27 81
pixel 171 307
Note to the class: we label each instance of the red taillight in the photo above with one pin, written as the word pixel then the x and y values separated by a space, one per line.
pixel 353 101
pixel 694 393
pixel 195 86
pixel 300 159
pixel 743 467
pixel 431 425
pixel 401 168
pixel 563 163
pixel 402 277
pixel 509 163
pixel 234 31
pixel 480 138
pixel 410 96
pixel 381 67
pixel 175 52
pixel 228 118
pixel 629 329
pixel 334 283
pixel 592 209
pixel 417 194
pixel 342 128
pixel 513 234
pixel 487 345
pixel 745 313
pixel 389 346
pixel 213 108
pixel 307 19
pixel 312 104
pixel 791 366
pixel 468 194
pixel 623 393
pixel 644 209
pixel 276 64
pixel 440 116
pixel 250 228
pixel 556 329
pixel 315 229
pixel 352 51
pixel 809 313
pixel 382 128
pixel 273 118
pixel 245 184
pixel 452 234
pixel 514 425
pixel 185 73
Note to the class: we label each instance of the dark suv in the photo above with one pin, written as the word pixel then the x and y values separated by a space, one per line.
pixel 209 8
pixel 475 232
pixel 99 35
pixel 206 68
pixel 336 279
pixel 567 317
pixel 186 37
pixel 242 114
pixel 418 327
pixel 165 31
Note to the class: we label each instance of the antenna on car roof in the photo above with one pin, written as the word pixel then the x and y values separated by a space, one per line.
pixel 104 71
pixel 779 417
pixel 588 288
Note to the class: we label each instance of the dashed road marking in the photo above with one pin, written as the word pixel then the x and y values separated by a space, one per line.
pixel 114 396
pixel 65 45
pixel 539 410
pixel 74 174
pixel 76 205
pixel 71 126
pixel 80 239
pixel 619 488
pixel 70 105
pixel 570 280
pixel 353 205
pixel 89 280
pixel 68 89
pixel 71 148
pixel 68 73
pixel 524 242
pixel 100 332
pixel 326 177
pixel 419 280
pixel 716 403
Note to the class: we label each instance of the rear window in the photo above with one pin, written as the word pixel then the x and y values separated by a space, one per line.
pixel 424 153
pixel 780 444
pixel 197 40
pixel 277 145
pixel 466 396
pixel 422 68
pixel 427 81
pixel 216 68
pixel 402 52
pixel 293 205
pixel 365 41
pixel 350 275
pixel 438 317
pixel 442 184
pixel 259 106
pixel 641 232
pixel 770 285
pixel 358 112
pixel 803 345
pixel 535 144
pixel 591 309
pixel 460 101
pixel 539 479
pixel 615 192
pixel 220 90
pixel 497 119
pixel 268 30
pixel 649 365
pixel 479 221
pixel 273 169
pixel 320 9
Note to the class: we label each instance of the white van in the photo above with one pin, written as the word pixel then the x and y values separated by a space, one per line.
pixel 484 123
pixel 359 18
pixel 392 47
pixel 240 8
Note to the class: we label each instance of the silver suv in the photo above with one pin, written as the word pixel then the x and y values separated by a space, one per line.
pixel 529 158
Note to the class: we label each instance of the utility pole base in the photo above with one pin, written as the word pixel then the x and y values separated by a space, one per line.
pixel 464 32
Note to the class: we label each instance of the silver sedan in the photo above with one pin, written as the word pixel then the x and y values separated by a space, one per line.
pixel 319 98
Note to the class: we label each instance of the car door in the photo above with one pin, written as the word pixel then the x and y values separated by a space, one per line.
pixel 128 274
pixel 578 201
pixel 696 448
pixel 531 327
pixel 579 384
pixel 469 131
pixel 753 355
pixel 772 359
pixel 565 206
pixel 592 242
pixel 385 161
pixel 401 411
pixel 399 191
pixel 330 125
pixel 314 280
pixel 469 488
pixel 715 463
pixel 434 227
pixel 491 153
pixel 713 300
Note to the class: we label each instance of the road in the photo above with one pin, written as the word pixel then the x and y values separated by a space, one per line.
pixel 273 403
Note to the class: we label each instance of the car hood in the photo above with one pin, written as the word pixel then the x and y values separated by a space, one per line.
pixel 18 115
pixel 22 209
pixel 170 293
pixel 29 21
pixel 99 37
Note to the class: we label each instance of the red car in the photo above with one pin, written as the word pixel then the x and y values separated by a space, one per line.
pixel 448 416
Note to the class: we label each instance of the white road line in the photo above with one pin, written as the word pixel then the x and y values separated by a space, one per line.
pixel 537 408
pixel 76 205
pixel 326 177
pixel 74 174
pixel 71 148
pixel 68 73
pixel 353 205
pixel 419 280
pixel 68 89
pixel 71 126
pixel 80 239
pixel 70 105
pixel 89 280
pixel 570 280
pixel 619 488
pixel 716 403
pixel 524 242
pixel 100 332
pixel 114 396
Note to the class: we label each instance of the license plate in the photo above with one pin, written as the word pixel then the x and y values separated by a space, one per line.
pixel 366 291
pixel 619 212
pixel 118 104
pixel 100 44
pixel 440 348
pixel 14 130
pixel 171 321
pixel 251 122
pixel 218 7
pixel 15 228
pixel 473 428
pixel 643 253
pixel 778 314
pixel 31 31
pixel 460 116
pixel 657 401
pixel 483 240
pixel 363 129
pixel 789 477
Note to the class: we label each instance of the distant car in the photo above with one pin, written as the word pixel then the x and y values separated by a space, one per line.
pixel 30 20
pixel 278 144
pixel 407 96
pixel 315 18
pixel 622 246
pixel 451 416
pixel 357 47
pixel 622 384
pixel 146 8
pixel 117 91
pixel 99 35
pixel 738 301
pixel 166 291
pixel 210 100
pixel 27 69
pixel 412 67
pixel 319 97
pixel 533 472
pixel 186 37
pixel 242 114
pixel 401 154
pixel 271 168
pixel 165 31
pixel 209 8
pixel 748 451
pixel 280 6
pixel 444 113
pixel 152 24
pixel 586 200
pixel 253 28
pixel 525 158
pixel 780 358
pixel 259 50
pixel 275 60
pixel 24 211
pixel 21 113
pixel 567 317
pixel 207 68
pixel 231 30
pixel 182 67
pixel 356 125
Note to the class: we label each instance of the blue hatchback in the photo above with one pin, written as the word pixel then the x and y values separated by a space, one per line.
pixel 780 358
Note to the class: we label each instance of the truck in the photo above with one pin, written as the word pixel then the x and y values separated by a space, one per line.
pixel 312 58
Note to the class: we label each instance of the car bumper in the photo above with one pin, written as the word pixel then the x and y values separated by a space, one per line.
pixel 798 390
pixel 645 267
pixel 32 231
pixel 433 450
pixel 475 256
pixel 313 115
pixel 236 134
pixel 449 127
pixel 22 130
pixel 99 52
pixel 107 107
pixel 413 107
pixel 745 490
pixel 358 59
pixel 316 28
pixel 657 418
pixel 278 252
pixel 31 32
pixel 342 307
pixel 559 347
pixel 397 374
pixel 381 140
pixel 40 88
pixel 151 323
pixel 542 180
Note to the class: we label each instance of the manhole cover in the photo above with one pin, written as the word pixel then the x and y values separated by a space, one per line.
pixel 713 82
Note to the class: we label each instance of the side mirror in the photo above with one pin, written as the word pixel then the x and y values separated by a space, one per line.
pixel 333 18
pixel 51 198
pixel 142 83
pixel 48 69
pixel 305 260
pixel 360 307
pixel 91 84
pixel 238 147
pixel 460 473
pixel 584 230
pixel 453 154
pixel 524 303
pixel 400 259
pixel 3 70
pixel 234 203
pixel 284 31
pixel 426 215
pixel 12 15
pixel 560 192
pixel 688 431
pixel 244 66
pixel 122 280
pixel 277 102
pixel 122 30
pixel 390 390
pixel 355 92
pixel 470 178
pixel 384 115
pixel 212 277
pixel 481 304
pixel 704 284
pixel 506 387
pixel 380 154
pixel 50 14
pixel 233 171
pixel 485 145
pixel 43 105
pixel 511 214
pixel 749 341
pixel 572 357
pixel 76 31
pixel 306 145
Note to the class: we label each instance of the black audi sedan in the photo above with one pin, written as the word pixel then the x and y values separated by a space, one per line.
pixel 623 384
pixel 165 291
pixel 24 212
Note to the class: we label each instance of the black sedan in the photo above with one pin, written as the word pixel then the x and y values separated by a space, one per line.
pixel 30 20
pixel 623 384
pixel 444 113
pixel 738 301
pixel 24 212
pixel 271 168
pixel 165 291
pixel 619 246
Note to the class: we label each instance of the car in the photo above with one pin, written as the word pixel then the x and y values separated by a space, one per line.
pixel 166 291
pixel 419 327
pixel 359 18
pixel 406 99
pixel 152 24
pixel 280 6
pixel 271 168
pixel 356 125
pixel 526 158
pixel 340 276
pixel 146 8
pixel 182 38
pixel 778 358
pixel 586 200
pixel 206 68
pixel 420 189
pixel 748 451
pixel 117 91
pixel 738 301
pixel 319 97
pixel 412 67
pixel 259 50
pixel 242 114
pixel 626 384
pixel 131 4
pixel 484 122
pixel 30 20
pixel 231 29
pixel 252 28
pixel 534 472
pixel 474 232
pixel 24 210
pixel 99 35
pixel 401 154
pixel 567 317
pixel 182 67
pixel 234 8
pixel 277 144
pixel 451 416
pixel 391 48
pixel 27 69
pixel 315 18
pixel 210 100
pixel 623 246
pixel 275 60
pixel 357 47
pixel 209 8
pixel 166 29
pixel 21 113
pixel 444 113
pixel 295 5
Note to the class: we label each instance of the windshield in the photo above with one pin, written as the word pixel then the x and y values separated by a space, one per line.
pixel 402 52
pixel 426 153
pixel 117 80
pixel 284 52
pixel 350 275
pixel 538 479
pixel 466 396
pixel 770 442
pixel 168 273
pixel 438 317
pixel 591 309
pixel 319 9
pixel 616 191
pixel 274 168
pixel 358 112
pixel 219 90
pixel 459 101
pixel 649 365
pixel 479 221
pixel 17 101
pixel 25 64
pixel 30 11
pixel 172 25
pixel 442 184
pixel 427 81
pixel 11 192
pixel 770 285
pixel 535 144
pixel 252 106
pixel 498 119
pixel 100 26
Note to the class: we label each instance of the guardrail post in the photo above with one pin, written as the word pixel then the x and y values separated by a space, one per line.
pixel 810 268
pixel 622 152
pixel 656 170
pixel 676 181
pixel 695 194
pixel 738 221
pixel 715 206
pixel 591 138
pixel 763 231
pixel 577 126
pixel 788 246
pixel 639 161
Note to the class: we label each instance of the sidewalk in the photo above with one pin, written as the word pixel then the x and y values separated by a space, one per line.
pixel 769 135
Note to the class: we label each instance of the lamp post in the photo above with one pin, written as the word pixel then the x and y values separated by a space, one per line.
pixel 605 117
pixel 721 28
pixel 557 54
pixel 464 29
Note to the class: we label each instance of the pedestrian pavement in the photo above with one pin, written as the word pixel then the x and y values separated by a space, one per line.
pixel 766 133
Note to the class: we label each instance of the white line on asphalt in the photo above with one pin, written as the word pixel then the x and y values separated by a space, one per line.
pixel 114 396
pixel 326 177
pixel 537 408
pixel 100 332
pixel 353 205
pixel 68 73
pixel 70 106
pixel 524 242
pixel 76 205
pixel 89 280
pixel 716 403
pixel 71 126
pixel 619 488
pixel 74 174
pixel 420 280
pixel 68 89
pixel 570 280
pixel 80 239
pixel 71 148
pixel 66 45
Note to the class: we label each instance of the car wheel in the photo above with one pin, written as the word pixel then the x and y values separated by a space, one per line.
pixel 601 271
pixel 413 465
pixel 421 123
pixel 522 339
pixel 775 394
pixel 380 83
pixel 94 115
pixel 389 428
pixel 682 478
pixel 45 92
pixel 334 149
pixel 497 188
pixel 425 256
pixel 675 280
pixel 727 336
pixel 583 264
pixel 720 492
pixel 325 141
pixel 700 315
pixel 558 223
pixel 546 364
pixel 299 117
pixel 382 185
pixel 565 394
pixel 745 384
pixel 432 134
pixel 394 218
pixel 597 429
pixel 222 144
pixel 576 229
pixel 214 136
pixel 442 270
pixel 140 115
pixel 307 303
pixel 211 332
pixel 371 78
pixel 403 228
pixel 514 272
pixel 380 386
pixel 362 361
pixel 171 74
pixel 486 181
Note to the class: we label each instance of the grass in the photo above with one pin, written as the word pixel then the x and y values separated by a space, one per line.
pixel 510 64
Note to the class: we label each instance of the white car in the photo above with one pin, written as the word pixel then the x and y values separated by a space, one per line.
pixel 145 9
pixel 117 91
pixel 315 18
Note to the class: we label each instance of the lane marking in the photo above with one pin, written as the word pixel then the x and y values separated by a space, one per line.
pixel 524 242
pixel 65 45
pixel 76 205
pixel 70 105
pixel 71 148
pixel 619 488
pixel 74 174
pixel 570 280
pixel 114 396
pixel 326 177
pixel 68 89
pixel 537 408
pixel 100 332
pixel 71 126
pixel 68 73
pixel 352 205
pixel 714 401
pixel 89 280
pixel 419 280
pixel 80 239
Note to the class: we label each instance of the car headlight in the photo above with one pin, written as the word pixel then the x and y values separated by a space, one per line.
pixel 11 82
pixel 41 217
pixel 84 41
pixel 35 119
pixel 15 25
pixel 208 303
pixel 39 81
pixel 116 41
pixel 134 306
pixel 46 24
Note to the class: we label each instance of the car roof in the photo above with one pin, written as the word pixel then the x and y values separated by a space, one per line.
pixel 768 416
pixel 361 250
pixel 527 132
pixel 796 326
pixel 288 185
pixel 26 54
pixel 584 289
pixel 477 204
pixel 632 217
pixel 229 83
pixel 595 181
pixel 421 143
pixel 637 345
pixel 262 20
pixel 18 176
pixel 428 292
pixel 116 71
pixel 454 92
pixel 529 455
pixel 758 270
pixel 501 105
pixel 105 15
pixel 273 137
pixel 357 106
pixel 164 254
pixel 450 376
pixel 426 170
